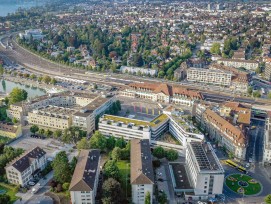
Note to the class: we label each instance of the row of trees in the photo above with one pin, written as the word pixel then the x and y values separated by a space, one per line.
pixel 69 135
pixel 45 79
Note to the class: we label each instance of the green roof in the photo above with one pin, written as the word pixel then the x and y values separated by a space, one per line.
pixel 152 123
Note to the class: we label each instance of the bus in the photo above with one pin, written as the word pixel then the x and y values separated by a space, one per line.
pixel 237 166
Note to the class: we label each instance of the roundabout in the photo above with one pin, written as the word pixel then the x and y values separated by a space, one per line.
pixel 243 184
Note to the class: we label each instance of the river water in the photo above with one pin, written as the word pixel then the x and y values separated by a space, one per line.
pixel 7 86
pixel 10 6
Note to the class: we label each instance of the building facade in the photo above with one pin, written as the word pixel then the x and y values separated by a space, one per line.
pixel 228 135
pixel 209 76
pixel 205 172
pixel 23 169
pixel 163 93
pixel 267 142
pixel 267 71
pixel 142 176
pixel 237 63
pixel 84 183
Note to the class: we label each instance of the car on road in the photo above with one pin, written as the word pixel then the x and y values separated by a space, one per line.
pixel 31 183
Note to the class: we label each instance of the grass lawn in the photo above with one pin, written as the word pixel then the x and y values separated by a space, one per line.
pixel 124 167
pixel 251 189
pixel 10 191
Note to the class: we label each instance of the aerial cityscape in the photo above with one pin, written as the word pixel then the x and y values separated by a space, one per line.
pixel 135 102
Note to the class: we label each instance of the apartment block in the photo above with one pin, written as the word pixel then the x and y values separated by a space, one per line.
pixel 267 142
pixel 62 110
pixel 206 174
pixel 84 183
pixel 209 76
pixel 116 126
pixel 142 176
pixel 10 130
pixel 237 63
pixel 160 92
pixel 267 71
pixel 228 135
pixel 23 169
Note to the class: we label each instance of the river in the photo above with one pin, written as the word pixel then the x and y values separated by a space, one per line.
pixel 10 6
pixel 7 86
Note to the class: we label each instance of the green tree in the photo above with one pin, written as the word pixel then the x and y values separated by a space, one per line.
pixel 15 120
pixel 267 199
pixel 1 69
pixel 162 198
pixel 118 104
pixel 110 143
pixel 73 164
pixel 48 133
pixel 159 152
pixel 171 154
pixel 53 81
pixel 98 141
pixel 34 129
pixel 120 143
pixel 61 167
pixel 215 49
pixel 46 79
pixel 4 198
pixel 249 90
pixel 41 131
pixel 83 144
pixel 57 134
pixel 269 95
pixel 148 198
pixel 17 95
pixel 65 186
pixel 116 154
pixel 256 94
pixel 111 170
pixel 112 192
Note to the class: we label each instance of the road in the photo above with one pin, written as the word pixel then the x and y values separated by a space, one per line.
pixel 40 65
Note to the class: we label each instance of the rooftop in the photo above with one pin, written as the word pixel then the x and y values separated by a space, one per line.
pixel 180 176
pixel 83 178
pixel 205 156
pixel 141 162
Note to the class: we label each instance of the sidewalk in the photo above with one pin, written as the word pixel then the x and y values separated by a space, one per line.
pixel 28 195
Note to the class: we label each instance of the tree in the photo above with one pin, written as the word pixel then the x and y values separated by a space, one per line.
pixel 46 79
pixel 159 152
pixel 1 69
pixel 116 154
pixel 48 133
pixel 57 134
pixel 111 170
pixel 112 192
pixel 118 104
pixel 269 95
pixel 65 186
pixel 110 143
pixel 256 94
pixel 148 198
pixel 61 167
pixel 83 144
pixel 34 129
pixel 249 90
pixel 120 143
pixel 41 131
pixel 17 95
pixel 171 155
pixel 267 199
pixel 73 164
pixel 98 141
pixel 4 198
pixel 215 49
pixel 162 198
pixel 15 120
pixel 53 81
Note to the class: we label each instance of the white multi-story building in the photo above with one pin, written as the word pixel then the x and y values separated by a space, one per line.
pixel 267 142
pixel 163 93
pixel 83 187
pixel 205 172
pixel 237 63
pixel 116 126
pixel 182 128
pixel 138 70
pixel 142 177
pixel 217 77
pixel 23 169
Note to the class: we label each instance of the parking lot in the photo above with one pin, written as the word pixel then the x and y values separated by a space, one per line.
pixel 51 146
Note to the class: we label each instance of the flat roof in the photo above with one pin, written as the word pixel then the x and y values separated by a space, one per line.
pixel 180 176
pixel 206 158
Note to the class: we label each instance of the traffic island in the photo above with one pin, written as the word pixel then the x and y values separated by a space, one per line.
pixel 243 184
